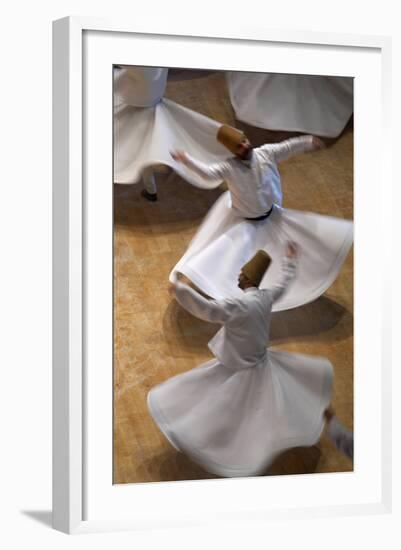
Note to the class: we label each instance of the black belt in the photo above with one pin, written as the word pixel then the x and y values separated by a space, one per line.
pixel 263 217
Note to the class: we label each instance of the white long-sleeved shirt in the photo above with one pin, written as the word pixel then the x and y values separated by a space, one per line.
pixel 242 341
pixel 254 184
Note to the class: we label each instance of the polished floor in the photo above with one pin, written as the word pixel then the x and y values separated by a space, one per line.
pixel 155 339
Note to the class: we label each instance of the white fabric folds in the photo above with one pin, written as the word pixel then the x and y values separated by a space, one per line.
pixel 139 86
pixel 235 422
pixel 147 127
pixel 224 242
pixel 319 105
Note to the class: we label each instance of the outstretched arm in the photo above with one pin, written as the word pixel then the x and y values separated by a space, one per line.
pixel 212 172
pixel 192 301
pixel 288 272
pixel 342 438
pixel 291 147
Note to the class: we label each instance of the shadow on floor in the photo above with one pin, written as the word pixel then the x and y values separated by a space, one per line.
pixel 184 331
pixel 41 516
pixel 178 205
pixel 300 460
pixel 172 465
pixel 324 319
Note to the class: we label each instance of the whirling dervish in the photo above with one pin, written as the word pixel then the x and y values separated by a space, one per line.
pixel 234 414
pixel 147 125
pixel 249 217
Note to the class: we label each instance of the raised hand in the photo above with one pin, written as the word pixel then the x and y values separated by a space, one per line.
pixel 171 288
pixel 318 143
pixel 291 250
pixel 179 156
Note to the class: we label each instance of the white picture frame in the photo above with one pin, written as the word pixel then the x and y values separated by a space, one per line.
pixel 84 499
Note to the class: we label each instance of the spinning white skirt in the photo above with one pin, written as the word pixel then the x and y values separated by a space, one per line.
pixel 139 86
pixel 235 422
pixel 320 105
pixel 147 128
pixel 225 242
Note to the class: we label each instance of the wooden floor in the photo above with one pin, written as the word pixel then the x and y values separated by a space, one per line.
pixel 156 339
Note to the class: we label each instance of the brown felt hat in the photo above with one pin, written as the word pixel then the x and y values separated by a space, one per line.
pixel 255 269
pixel 230 137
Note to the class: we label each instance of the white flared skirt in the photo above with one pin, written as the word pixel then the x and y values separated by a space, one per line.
pixel 319 105
pixel 235 422
pixel 225 242
pixel 145 136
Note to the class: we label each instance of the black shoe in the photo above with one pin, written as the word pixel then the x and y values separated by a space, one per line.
pixel 149 196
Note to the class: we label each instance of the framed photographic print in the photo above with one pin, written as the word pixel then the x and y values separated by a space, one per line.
pixel 137 119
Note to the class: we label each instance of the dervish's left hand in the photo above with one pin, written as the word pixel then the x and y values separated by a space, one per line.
pixel 172 287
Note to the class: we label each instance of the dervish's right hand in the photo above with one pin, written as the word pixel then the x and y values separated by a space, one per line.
pixel 171 289
pixel 179 156
pixel 318 143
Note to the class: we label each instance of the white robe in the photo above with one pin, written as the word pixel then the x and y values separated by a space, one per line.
pixel 320 105
pixel 234 414
pixel 254 184
pixel 225 241
pixel 147 127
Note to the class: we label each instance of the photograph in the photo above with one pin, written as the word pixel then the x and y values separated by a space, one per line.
pixel 233 312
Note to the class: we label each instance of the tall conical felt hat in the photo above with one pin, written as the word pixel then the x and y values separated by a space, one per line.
pixel 256 267
pixel 230 137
